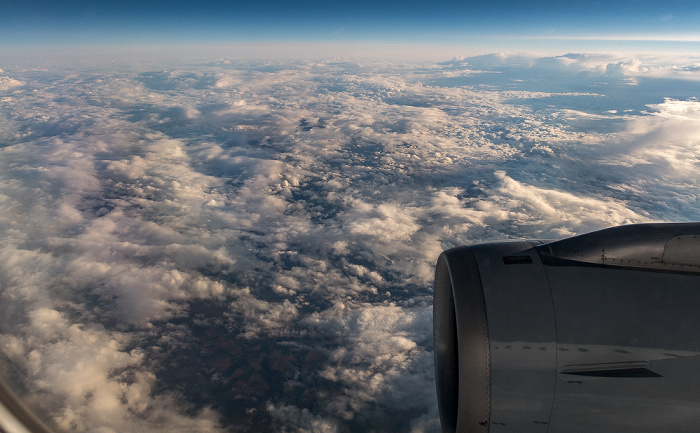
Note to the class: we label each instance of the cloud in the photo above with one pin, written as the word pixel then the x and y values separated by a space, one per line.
pixel 291 418
pixel 85 377
pixel 565 214
pixel 282 220
pixel 669 139
pixel 383 362
pixel 7 83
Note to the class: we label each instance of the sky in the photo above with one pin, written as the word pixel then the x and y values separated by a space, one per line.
pixel 470 26
pixel 225 216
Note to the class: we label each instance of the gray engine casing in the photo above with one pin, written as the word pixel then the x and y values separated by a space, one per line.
pixel 595 333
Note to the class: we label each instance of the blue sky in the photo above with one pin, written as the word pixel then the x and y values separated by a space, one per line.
pixel 504 22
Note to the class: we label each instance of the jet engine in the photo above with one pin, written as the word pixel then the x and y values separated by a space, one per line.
pixel 594 333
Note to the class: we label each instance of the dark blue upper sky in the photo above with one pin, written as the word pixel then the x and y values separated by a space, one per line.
pixel 45 22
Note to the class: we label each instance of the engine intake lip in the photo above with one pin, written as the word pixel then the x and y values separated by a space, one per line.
pixel 461 344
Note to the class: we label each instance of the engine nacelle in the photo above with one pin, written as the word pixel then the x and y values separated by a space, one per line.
pixel 595 333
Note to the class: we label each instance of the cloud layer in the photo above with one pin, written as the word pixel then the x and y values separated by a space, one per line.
pixel 231 245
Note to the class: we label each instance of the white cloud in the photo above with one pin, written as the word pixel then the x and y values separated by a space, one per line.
pixel 383 360
pixel 290 418
pixel 7 83
pixel 384 223
pixel 557 214
pixel 669 139
pixel 297 209
pixel 87 380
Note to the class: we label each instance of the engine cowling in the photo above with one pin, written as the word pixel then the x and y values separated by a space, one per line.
pixel 595 333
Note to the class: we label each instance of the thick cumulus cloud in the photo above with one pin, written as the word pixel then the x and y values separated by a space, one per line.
pixel 88 379
pixel 668 140
pixel 232 245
